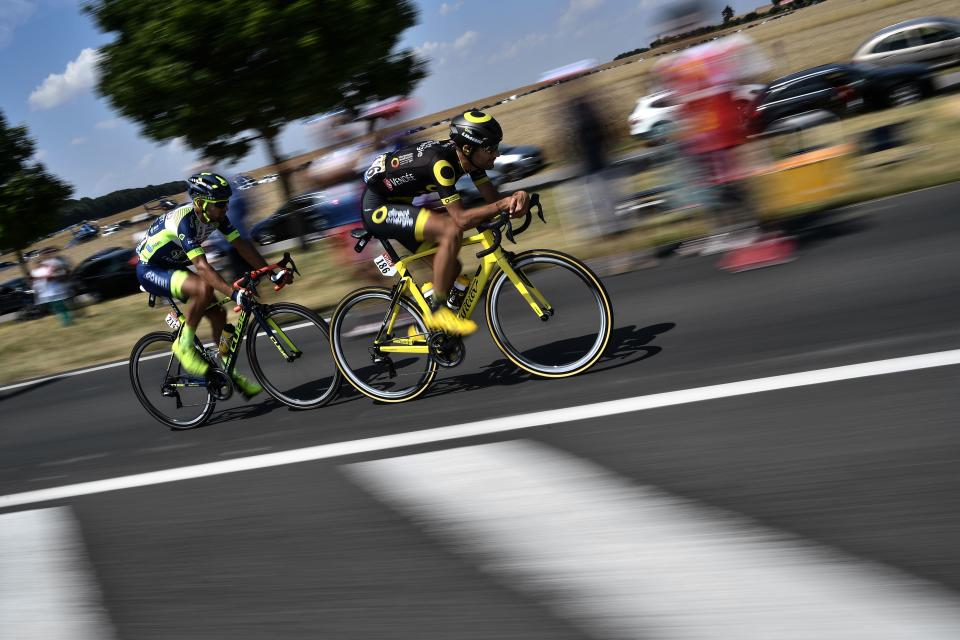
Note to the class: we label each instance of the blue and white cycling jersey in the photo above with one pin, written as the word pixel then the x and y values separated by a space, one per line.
pixel 175 238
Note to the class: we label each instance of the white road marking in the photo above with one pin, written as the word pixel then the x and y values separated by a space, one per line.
pixel 628 561
pixel 46 585
pixel 492 426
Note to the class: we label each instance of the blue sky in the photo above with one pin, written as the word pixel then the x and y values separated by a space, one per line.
pixel 48 53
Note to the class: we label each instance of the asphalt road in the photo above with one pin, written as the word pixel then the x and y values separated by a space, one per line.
pixel 379 541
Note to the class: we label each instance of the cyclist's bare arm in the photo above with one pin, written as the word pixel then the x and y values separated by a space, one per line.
pixel 519 200
pixel 249 253
pixel 489 192
pixel 210 275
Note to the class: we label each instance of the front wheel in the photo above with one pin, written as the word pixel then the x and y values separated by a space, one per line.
pixel 397 368
pixel 579 316
pixel 173 397
pixel 296 369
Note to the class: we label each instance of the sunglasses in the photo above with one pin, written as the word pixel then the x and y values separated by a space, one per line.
pixel 492 148
pixel 219 204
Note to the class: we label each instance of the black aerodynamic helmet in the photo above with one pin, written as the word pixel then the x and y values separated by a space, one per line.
pixel 208 186
pixel 475 128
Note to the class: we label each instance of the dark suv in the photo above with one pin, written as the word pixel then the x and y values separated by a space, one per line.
pixel 841 88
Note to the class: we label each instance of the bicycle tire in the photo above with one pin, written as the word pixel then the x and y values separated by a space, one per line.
pixel 135 380
pixel 529 262
pixel 322 390
pixel 340 328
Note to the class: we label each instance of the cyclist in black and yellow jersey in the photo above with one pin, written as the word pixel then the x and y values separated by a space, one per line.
pixel 395 179
pixel 173 242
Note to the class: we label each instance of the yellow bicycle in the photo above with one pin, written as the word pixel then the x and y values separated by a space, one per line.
pixel 546 311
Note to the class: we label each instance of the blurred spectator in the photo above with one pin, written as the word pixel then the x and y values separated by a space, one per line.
pixel 51 285
pixel 596 189
pixel 237 211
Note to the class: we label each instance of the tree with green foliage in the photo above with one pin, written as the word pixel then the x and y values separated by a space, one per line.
pixel 30 198
pixel 727 14
pixel 223 74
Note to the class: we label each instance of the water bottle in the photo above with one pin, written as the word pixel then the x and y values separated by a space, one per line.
pixel 427 290
pixel 225 339
pixel 458 292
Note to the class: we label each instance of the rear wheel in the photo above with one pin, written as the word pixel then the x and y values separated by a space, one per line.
pixel 398 369
pixel 299 372
pixel 173 397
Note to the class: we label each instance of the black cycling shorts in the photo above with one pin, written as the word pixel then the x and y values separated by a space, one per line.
pixel 396 221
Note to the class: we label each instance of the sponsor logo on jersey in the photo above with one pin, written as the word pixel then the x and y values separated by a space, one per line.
pixel 423 146
pixel 404 179
pixel 388 184
pixel 378 166
pixel 404 158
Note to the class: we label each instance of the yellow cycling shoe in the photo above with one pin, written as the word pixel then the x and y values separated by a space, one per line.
pixel 191 361
pixel 443 319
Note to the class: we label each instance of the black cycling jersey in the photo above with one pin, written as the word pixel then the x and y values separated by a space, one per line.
pixel 431 166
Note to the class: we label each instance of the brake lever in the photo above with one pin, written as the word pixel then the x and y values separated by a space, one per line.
pixel 535 202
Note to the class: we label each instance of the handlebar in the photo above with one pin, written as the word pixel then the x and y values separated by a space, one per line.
pixel 503 221
pixel 250 279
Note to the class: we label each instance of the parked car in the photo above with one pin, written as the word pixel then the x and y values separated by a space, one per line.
pixel 245 182
pixel 324 211
pixel 932 40
pixel 656 114
pixel 85 231
pixel 109 230
pixel 15 295
pixel 517 162
pixel 109 273
pixel 841 88
pixel 6 264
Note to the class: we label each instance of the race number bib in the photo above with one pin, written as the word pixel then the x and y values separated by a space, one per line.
pixel 385 265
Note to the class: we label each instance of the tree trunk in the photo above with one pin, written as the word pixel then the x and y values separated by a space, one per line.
pixel 300 219
pixel 24 266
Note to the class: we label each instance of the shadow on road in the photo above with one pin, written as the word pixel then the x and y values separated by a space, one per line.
pixel 628 345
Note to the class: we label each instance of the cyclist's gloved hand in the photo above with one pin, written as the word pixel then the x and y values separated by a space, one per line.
pixel 282 277
pixel 244 299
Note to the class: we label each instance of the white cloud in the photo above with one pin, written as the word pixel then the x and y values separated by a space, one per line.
pixel 429 47
pixel 14 13
pixel 145 161
pixel 526 42
pixel 78 140
pixel 177 146
pixel 39 155
pixel 450 8
pixel 112 123
pixel 465 41
pixel 577 9
pixel 438 50
pixel 81 74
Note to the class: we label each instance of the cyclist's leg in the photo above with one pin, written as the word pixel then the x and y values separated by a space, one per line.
pixel 413 226
pixel 441 230
pixel 188 287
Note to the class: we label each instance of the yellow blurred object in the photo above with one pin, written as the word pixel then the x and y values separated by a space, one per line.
pixel 806 166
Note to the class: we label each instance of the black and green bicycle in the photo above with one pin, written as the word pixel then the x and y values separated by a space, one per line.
pixel 287 347
pixel 546 311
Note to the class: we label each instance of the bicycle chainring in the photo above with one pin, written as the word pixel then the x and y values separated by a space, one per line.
pixel 219 384
pixel 448 351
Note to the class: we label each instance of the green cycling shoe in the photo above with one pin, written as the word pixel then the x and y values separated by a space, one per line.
pixel 191 360
pixel 247 387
